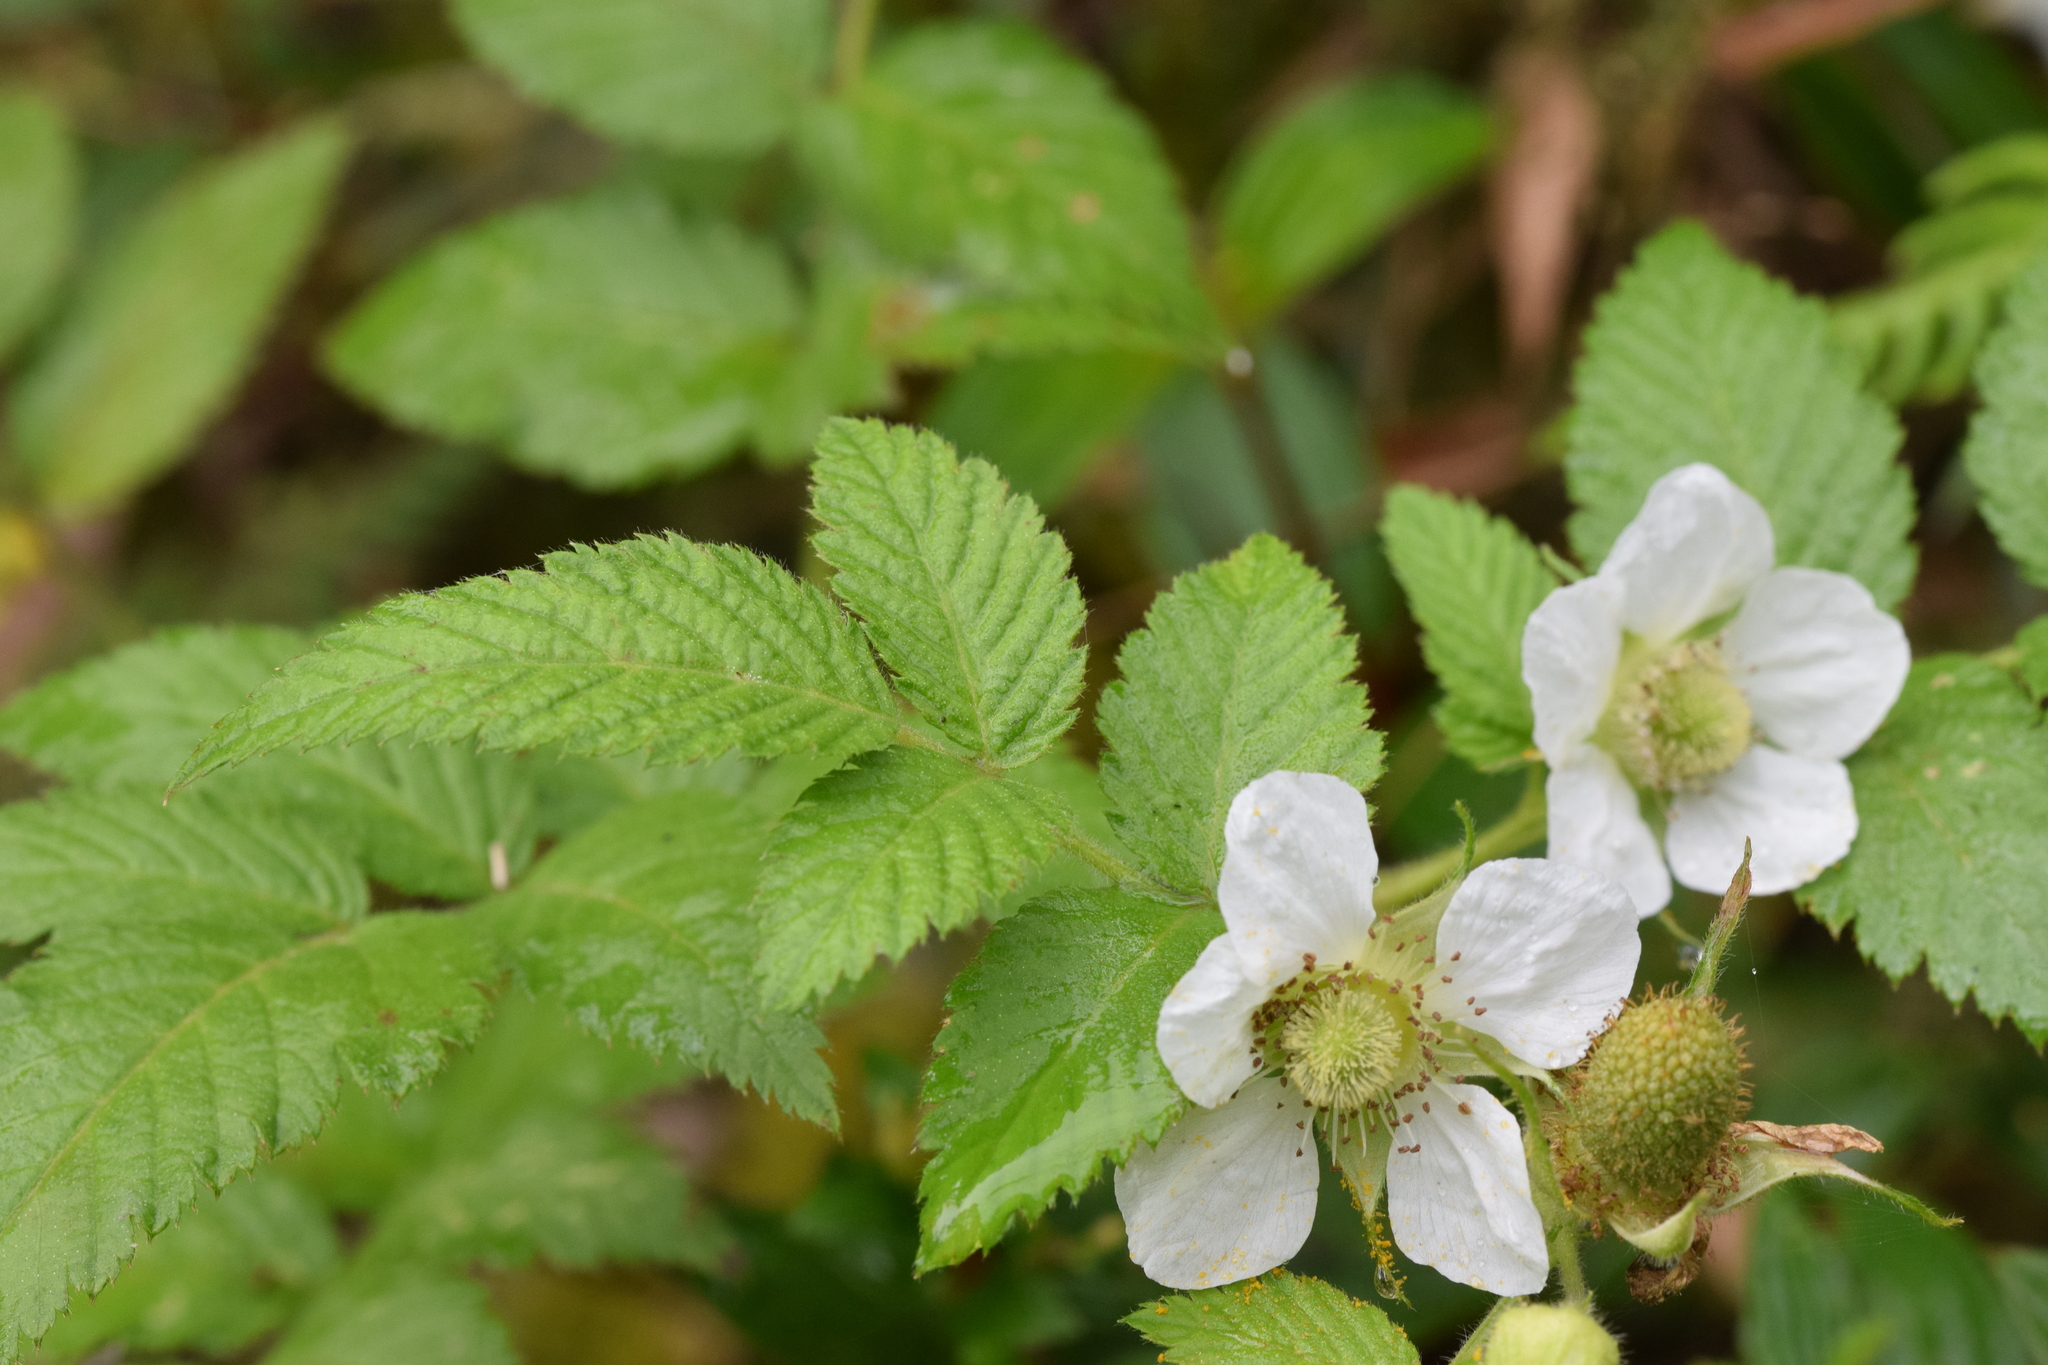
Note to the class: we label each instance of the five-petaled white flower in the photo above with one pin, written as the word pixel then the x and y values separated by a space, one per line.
pixel 1691 680
pixel 1312 1012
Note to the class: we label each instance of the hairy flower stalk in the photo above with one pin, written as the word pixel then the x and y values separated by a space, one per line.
pixel 1314 1016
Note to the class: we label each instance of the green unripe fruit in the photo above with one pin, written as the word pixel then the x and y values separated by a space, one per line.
pixel 1652 1104
pixel 1548 1334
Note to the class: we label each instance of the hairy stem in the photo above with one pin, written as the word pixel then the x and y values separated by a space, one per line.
pixel 1411 881
pixel 850 44
pixel 1474 1348
pixel 1561 1227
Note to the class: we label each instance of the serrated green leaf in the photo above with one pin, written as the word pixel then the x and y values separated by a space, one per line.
pixel 594 337
pixel 641 924
pixel 234 1269
pixel 656 643
pixel 1471 580
pixel 1276 1319
pixel 39 181
pixel 167 323
pixel 414 1318
pixel 1326 179
pixel 718 77
pixel 2007 450
pixel 1947 863
pixel 1242 668
pixel 1039 419
pixel 884 851
pixel 965 593
pixel 422 819
pixel 209 983
pixel 979 152
pixel 1046 1066
pixel 1695 356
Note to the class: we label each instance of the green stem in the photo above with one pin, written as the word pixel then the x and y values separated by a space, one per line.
pixel 1474 1348
pixel 1411 881
pixel 1296 524
pixel 1677 930
pixel 1561 1226
pixel 850 46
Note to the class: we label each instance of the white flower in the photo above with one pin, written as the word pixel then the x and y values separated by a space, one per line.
pixel 1312 1008
pixel 1691 680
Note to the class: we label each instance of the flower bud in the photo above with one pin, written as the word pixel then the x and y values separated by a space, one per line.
pixel 1651 1105
pixel 1548 1334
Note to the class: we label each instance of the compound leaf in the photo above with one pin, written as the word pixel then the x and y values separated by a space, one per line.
pixel 1242 668
pixel 1276 1319
pixel 1471 580
pixel 209 983
pixel 39 182
pixel 1046 1065
pixel 882 852
pixel 2007 450
pixel 979 152
pixel 1695 356
pixel 641 924
pixel 1954 833
pixel 964 591
pixel 596 338
pixel 169 320
pixel 709 77
pixel 655 643
pixel 1318 186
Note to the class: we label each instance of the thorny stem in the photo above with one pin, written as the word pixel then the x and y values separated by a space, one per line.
pixel 1411 881
pixel 850 45
pixel 1561 1227
pixel 1247 398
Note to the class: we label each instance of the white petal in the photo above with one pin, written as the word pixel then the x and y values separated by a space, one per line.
pixel 1205 1026
pixel 1569 650
pixel 1799 814
pixel 1692 552
pixel 1596 823
pixel 1820 664
pixel 1458 1192
pixel 1298 869
pixel 1546 949
pixel 1223 1196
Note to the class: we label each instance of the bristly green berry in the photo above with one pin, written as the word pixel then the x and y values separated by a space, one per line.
pixel 1648 1109
pixel 1548 1334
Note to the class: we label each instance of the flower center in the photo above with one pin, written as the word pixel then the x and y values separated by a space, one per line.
pixel 1345 1046
pixel 1676 718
